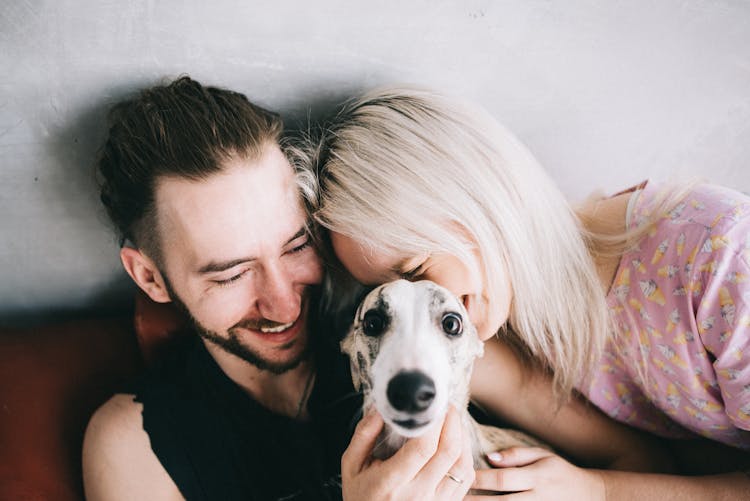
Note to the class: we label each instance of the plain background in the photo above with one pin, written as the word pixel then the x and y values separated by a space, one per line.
pixel 604 92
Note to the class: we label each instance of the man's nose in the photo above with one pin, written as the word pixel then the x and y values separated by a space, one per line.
pixel 277 299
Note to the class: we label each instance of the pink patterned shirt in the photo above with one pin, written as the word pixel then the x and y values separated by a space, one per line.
pixel 680 301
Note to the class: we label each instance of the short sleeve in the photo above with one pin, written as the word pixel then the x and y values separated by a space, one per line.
pixel 723 314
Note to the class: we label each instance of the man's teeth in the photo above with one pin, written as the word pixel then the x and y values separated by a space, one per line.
pixel 278 328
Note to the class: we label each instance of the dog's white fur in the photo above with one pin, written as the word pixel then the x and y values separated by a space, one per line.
pixel 413 339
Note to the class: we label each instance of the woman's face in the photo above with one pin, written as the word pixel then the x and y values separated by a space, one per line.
pixel 374 267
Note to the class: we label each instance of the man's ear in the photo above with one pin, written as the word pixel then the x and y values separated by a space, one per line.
pixel 145 273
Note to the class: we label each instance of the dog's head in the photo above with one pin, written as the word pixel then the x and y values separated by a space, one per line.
pixel 412 348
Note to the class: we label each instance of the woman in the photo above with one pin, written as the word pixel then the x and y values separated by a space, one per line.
pixel 644 311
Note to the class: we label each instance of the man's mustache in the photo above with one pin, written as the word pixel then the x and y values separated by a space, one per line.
pixel 262 323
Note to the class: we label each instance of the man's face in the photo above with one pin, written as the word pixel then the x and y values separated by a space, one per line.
pixel 238 260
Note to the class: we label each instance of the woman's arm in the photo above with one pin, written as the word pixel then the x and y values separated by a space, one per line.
pixel 540 474
pixel 503 386
pixel 644 486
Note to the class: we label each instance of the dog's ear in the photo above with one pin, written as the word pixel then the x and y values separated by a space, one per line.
pixel 347 347
pixel 359 364
pixel 352 346
pixel 477 345
pixel 356 380
pixel 341 296
pixel 478 349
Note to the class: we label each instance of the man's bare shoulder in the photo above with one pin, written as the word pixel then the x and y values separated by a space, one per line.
pixel 118 462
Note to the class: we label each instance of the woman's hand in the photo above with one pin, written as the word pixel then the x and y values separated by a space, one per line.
pixel 535 473
pixel 419 470
pixel 538 474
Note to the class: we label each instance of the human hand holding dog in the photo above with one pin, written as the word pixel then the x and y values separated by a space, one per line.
pixel 536 473
pixel 419 470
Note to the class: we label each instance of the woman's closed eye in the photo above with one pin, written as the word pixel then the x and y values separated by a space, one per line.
pixel 410 274
pixel 410 271
pixel 411 268
pixel 300 247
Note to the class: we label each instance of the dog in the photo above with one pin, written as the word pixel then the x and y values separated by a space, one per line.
pixel 411 349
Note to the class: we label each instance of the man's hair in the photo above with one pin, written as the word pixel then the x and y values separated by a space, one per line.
pixel 182 130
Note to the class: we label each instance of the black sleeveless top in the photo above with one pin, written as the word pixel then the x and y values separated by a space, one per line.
pixel 217 443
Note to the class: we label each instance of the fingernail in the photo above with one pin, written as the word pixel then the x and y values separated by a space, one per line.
pixel 495 457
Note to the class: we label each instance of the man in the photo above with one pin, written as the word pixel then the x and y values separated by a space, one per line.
pixel 197 185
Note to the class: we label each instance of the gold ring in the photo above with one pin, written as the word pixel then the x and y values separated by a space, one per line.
pixel 454 478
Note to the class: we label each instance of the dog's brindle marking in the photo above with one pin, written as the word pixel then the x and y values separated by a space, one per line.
pixel 411 338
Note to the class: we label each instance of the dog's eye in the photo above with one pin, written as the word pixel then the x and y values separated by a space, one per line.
pixel 452 324
pixel 373 324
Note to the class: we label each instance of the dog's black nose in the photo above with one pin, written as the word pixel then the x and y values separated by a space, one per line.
pixel 411 391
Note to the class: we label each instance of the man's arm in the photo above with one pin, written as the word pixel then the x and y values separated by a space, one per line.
pixel 118 463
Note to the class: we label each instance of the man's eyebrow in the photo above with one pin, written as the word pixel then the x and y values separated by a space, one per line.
pixel 215 267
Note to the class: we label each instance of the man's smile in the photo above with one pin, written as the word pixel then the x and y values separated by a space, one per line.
pixel 276 329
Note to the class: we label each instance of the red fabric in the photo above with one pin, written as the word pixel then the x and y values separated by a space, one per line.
pixel 156 324
pixel 51 380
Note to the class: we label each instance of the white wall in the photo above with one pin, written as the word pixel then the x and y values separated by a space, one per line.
pixel 605 92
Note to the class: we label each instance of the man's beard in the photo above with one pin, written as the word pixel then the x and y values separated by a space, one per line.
pixel 232 344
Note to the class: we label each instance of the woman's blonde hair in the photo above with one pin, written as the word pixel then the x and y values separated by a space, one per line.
pixel 401 169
